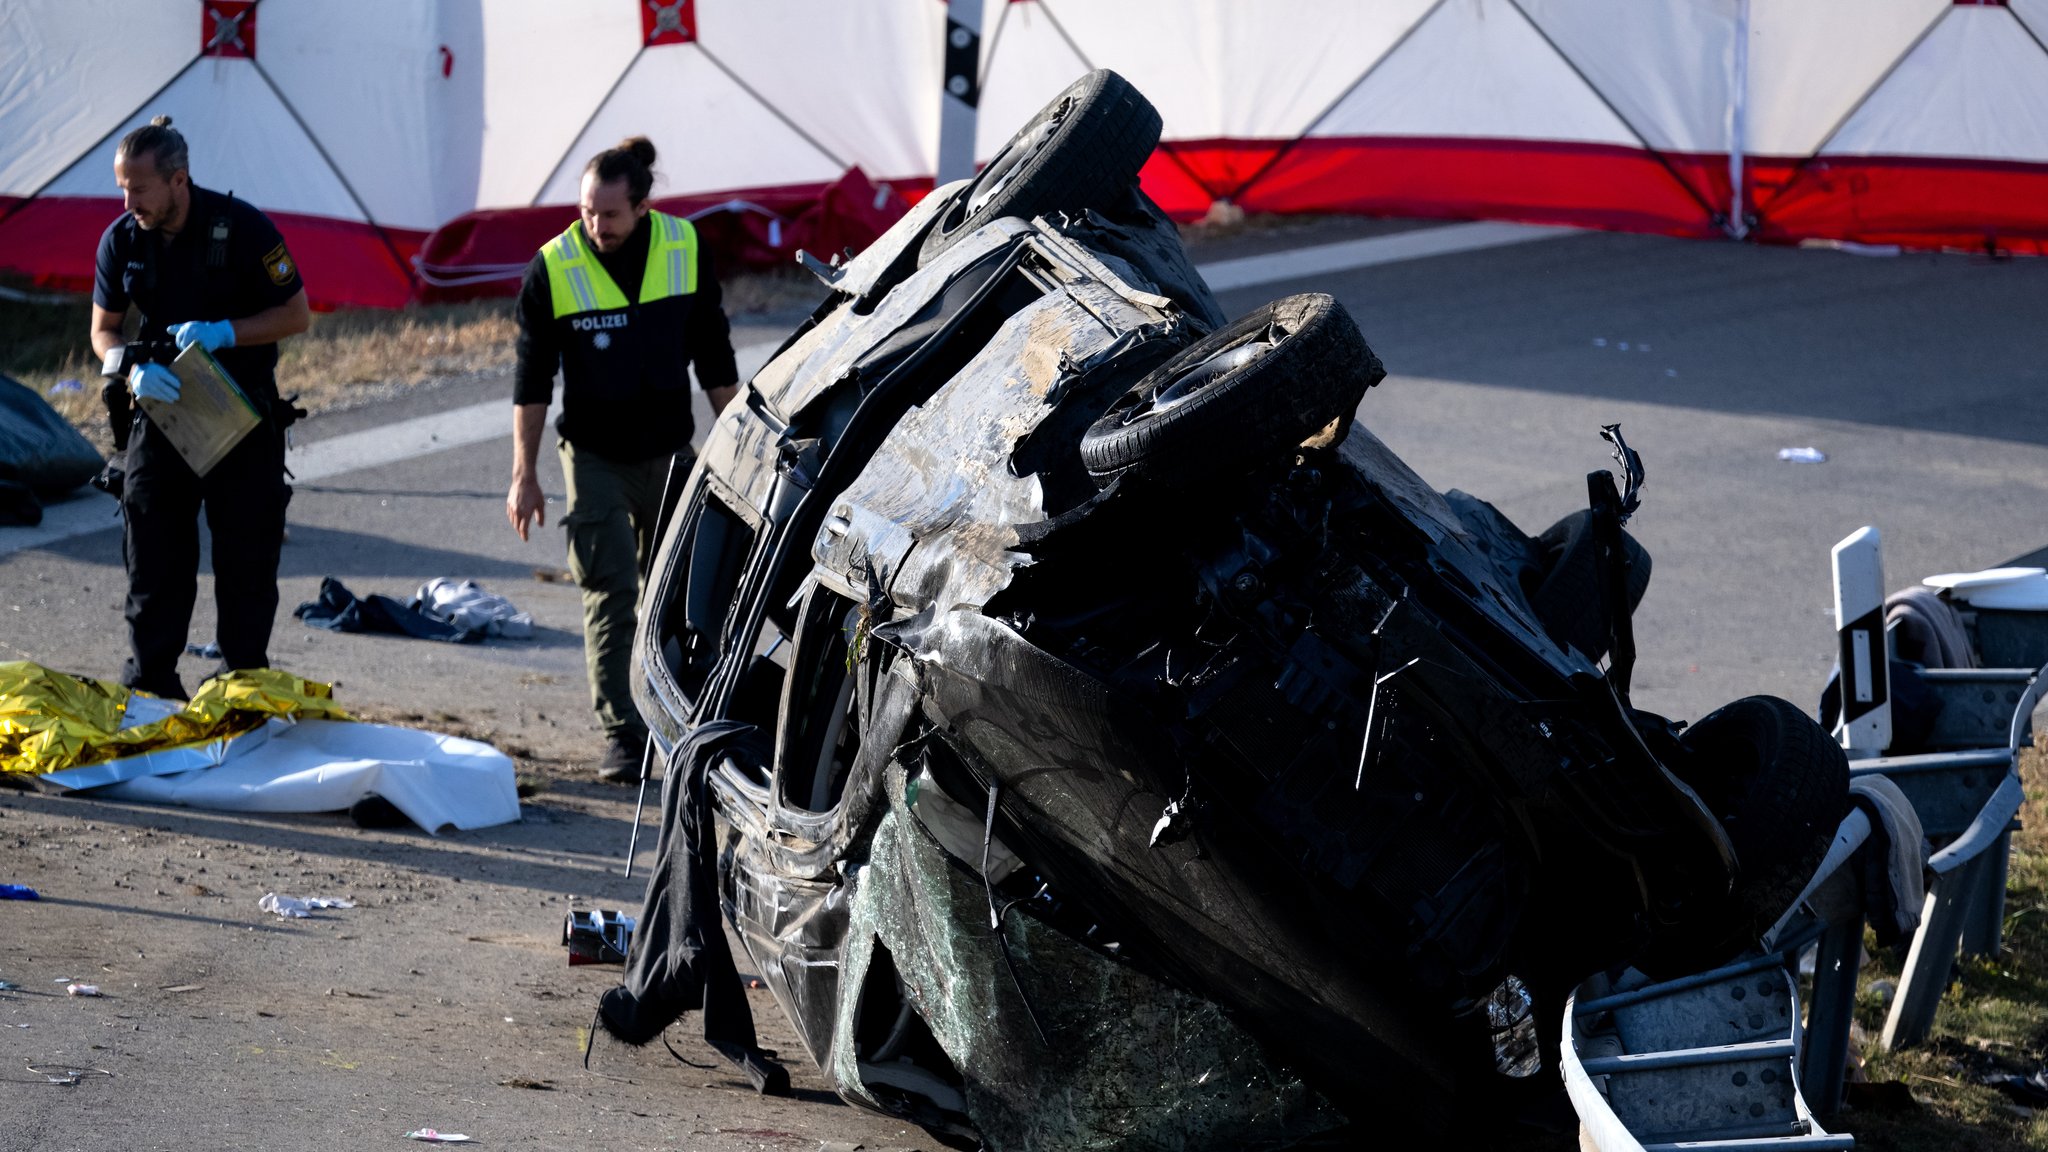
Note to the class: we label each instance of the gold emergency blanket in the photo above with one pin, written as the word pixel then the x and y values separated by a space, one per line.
pixel 50 721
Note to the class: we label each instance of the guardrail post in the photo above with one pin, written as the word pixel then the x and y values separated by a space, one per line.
pixel 1866 724
pixel 962 93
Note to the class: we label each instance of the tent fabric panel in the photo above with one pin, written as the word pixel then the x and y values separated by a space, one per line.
pixel 861 79
pixel 1238 71
pixel 457 127
pixel 1476 68
pixel 70 72
pixel 1665 67
pixel 1184 176
pixel 1916 202
pixel 2033 14
pixel 1975 88
pixel 1535 181
pixel 1030 64
pixel 361 76
pixel 241 140
pixel 542 78
pixel 727 138
pixel 1811 61
pixel 53 239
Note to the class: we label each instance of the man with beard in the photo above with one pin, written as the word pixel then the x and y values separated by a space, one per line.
pixel 623 302
pixel 208 269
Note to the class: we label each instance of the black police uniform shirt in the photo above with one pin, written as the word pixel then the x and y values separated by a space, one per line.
pixel 626 397
pixel 177 281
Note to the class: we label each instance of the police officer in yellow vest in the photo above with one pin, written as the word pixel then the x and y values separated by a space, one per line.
pixel 622 303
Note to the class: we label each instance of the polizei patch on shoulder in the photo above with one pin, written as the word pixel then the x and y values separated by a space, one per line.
pixel 278 263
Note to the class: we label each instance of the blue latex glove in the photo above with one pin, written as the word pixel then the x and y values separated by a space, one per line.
pixel 154 382
pixel 212 335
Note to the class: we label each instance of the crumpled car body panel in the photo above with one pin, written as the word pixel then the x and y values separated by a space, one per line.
pixel 1294 780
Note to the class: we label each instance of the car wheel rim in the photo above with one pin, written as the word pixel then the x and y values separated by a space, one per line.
pixel 1185 386
pixel 1001 171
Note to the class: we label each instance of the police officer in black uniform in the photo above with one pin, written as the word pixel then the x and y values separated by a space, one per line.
pixel 207 269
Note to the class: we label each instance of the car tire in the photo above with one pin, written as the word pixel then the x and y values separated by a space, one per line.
pixel 1262 384
pixel 1567 598
pixel 1780 787
pixel 1081 151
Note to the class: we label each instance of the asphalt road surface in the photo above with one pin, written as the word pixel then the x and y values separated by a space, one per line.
pixel 1920 376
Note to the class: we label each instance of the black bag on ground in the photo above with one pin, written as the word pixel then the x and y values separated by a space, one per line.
pixel 39 448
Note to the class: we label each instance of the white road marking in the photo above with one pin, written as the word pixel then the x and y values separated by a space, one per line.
pixel 89 511
pixel 1347 255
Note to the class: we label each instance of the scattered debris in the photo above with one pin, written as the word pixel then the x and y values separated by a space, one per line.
pixel 2031 1091
pixel 299 907
pixel 82 989
pixel 466 605
pixel 433 1137
pixel 528 1083
pixel 18 892
pixel 67 1075
pixel 176 988
pixel 1851 247
pixel 600 936
pixel 1807 455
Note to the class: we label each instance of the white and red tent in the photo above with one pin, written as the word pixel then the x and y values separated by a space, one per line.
pixel 366 127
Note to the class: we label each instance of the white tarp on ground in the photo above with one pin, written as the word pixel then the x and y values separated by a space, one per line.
pixel 323 766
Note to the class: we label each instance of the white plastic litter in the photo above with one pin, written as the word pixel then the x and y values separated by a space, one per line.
pixel 438 781
pixel 433 1137
pixel 1803 455
pixel 469 607
pixel 299 907
pixel 2014 589
pixel 1984 578
pixel 82 989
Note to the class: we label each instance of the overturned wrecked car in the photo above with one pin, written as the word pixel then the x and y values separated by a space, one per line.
pixel 1097 737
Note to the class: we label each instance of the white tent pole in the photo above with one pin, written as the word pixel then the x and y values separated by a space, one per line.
pixel 1738 127
pixel 960 96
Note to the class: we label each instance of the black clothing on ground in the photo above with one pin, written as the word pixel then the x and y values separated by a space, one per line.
pixel 625 386
pixel 339 610
pixel 245 497
pixel 194 277
pixel 227 263
pixel 680 959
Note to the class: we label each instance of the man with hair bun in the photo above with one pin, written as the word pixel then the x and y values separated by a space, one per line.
pixel 208 269
pixel 622 303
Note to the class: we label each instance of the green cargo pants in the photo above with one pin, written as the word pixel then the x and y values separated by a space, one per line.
pixel 611 524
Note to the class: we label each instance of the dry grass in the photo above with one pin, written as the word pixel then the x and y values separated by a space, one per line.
pixel 1993 1020
pixel 349 357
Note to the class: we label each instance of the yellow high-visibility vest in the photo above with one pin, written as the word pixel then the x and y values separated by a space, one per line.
pixel 578 283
